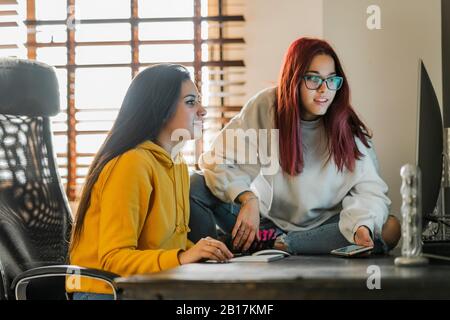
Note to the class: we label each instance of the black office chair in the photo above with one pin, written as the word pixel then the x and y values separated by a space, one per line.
pixel 35 218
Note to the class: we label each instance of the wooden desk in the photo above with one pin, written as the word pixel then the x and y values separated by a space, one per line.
pixel 296 277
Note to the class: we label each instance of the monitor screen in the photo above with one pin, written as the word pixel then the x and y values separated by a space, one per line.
pixel 430 142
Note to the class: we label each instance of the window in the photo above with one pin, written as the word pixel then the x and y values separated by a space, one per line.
pixel 98 46
pixel 12 30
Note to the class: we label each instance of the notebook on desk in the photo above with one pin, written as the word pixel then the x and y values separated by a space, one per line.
pixel 263 258
pixel 267 255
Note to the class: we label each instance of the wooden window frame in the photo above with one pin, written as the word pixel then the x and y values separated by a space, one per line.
pixel 134 21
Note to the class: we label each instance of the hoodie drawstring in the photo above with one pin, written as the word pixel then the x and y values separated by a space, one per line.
pixel 180 227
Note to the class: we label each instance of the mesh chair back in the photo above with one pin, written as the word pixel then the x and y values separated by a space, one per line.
pixel 35 218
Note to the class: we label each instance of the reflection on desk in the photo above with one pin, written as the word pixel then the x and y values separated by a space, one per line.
pixel 296 277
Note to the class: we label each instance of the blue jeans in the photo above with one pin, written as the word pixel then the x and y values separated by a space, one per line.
pixel 209 212
pixel 92 296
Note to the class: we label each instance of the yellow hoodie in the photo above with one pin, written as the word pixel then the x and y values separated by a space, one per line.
pixel 138 217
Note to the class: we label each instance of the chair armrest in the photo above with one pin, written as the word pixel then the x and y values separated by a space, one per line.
pixel 20 283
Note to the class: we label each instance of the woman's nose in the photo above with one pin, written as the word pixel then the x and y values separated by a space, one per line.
pixel 322 87
pixel 202 111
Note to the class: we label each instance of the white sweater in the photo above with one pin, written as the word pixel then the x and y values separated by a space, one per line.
pixel 305 201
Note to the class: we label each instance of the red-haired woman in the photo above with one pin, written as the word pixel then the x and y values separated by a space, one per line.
pixel 327 192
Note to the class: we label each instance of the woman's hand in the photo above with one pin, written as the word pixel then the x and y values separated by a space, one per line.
pixel 247 223
pixel 206 248
pixel 362 237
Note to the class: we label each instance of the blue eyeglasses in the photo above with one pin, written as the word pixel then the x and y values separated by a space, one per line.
pixel 314 82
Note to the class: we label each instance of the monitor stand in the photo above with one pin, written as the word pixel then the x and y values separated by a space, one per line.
pixel 437 252
pixel 437 244
pixel 437 247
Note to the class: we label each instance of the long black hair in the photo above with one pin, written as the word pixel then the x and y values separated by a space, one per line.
pixel 149 103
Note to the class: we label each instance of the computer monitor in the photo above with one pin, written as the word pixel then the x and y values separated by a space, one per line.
pixel 430 142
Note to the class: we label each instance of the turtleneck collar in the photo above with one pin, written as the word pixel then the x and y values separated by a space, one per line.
pixel 311 124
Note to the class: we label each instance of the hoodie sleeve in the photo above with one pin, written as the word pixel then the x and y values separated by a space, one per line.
pixel 125 198
pixel 233 163
pixel 367 203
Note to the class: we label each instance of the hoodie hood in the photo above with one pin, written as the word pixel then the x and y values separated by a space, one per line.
pixel 159 152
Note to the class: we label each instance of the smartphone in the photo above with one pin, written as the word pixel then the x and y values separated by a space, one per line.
pixel 351 250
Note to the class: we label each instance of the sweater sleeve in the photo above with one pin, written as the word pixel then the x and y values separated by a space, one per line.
pixel 367 203
pixel 125 198
pixel 232 164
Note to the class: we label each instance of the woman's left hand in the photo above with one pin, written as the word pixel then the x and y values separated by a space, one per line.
pixel 245 230
pixel 362 237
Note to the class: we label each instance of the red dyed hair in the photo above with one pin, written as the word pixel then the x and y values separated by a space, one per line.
pixel 341 123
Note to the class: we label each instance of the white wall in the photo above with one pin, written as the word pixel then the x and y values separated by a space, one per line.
pixel 271 25
pixel 382 66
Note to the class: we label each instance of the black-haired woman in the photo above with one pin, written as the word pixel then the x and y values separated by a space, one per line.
pixel 134 210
